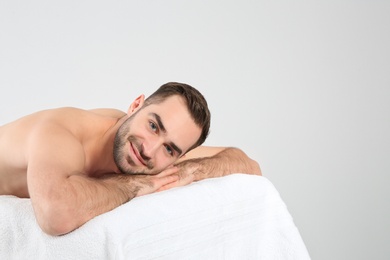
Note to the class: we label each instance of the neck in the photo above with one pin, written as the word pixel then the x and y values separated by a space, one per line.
pixel 100 159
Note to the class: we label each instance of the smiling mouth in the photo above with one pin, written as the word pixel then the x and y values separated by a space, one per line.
pixel 137 154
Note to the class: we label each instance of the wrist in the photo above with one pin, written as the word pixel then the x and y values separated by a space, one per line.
pixel 204 169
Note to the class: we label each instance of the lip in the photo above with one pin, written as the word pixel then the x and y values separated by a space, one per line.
pixel 136 154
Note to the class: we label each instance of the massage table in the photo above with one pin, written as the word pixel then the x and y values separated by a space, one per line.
pixel 236 217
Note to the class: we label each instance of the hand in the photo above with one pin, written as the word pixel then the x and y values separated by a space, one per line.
pixel 186 174
pixel 146 184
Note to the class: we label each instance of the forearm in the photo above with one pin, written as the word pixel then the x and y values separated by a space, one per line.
pixel 230 160
pixel 79 199
pixel 99 195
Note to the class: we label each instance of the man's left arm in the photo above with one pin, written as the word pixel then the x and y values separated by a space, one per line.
pixel 209 162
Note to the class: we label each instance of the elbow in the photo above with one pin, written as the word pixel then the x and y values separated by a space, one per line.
pixel 55 229
pixel 255 168
pixel 251 166
pixel 55 222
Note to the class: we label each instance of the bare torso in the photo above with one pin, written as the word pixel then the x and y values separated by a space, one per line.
pixel 86 126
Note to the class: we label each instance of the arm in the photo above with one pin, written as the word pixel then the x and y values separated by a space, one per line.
pixel 224 162
pixel 62 195
pixel 209 162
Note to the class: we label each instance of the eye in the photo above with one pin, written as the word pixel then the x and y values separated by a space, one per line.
pixel 153 126
pixel 169 150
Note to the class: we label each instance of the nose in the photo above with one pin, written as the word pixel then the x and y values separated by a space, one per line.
pixel 150 147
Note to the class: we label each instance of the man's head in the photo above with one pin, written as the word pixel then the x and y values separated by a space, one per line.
pixel 196 105
pixel 161 129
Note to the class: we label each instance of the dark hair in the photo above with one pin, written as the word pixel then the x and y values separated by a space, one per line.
pixel 196 104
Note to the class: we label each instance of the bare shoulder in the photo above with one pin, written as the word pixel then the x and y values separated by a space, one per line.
pixel 81 126
pixel 108 112
pixel 62 115
pixel 69 119
pixel 21 128
pixel 63 133
pixel 19 138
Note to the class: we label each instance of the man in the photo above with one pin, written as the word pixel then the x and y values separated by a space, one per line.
pixel 76 164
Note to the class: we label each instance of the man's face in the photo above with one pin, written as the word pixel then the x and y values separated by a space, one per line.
pixel 154 137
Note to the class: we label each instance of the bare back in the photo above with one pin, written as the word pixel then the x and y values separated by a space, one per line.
pixel 86 127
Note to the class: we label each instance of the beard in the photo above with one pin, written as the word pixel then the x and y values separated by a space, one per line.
pixel 121 156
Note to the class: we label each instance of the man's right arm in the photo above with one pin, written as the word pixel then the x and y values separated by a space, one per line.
pixel 63 197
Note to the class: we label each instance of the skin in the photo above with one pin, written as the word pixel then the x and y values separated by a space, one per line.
pixel 63 159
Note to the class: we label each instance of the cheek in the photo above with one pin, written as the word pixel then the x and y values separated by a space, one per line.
pixel 162 160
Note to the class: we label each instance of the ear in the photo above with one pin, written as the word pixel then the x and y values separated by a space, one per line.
pixel 137 104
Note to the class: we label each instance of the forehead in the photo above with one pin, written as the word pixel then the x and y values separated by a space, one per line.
pixel 171 104
pixel 180 127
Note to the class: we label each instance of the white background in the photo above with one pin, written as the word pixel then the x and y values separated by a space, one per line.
pixel 301 86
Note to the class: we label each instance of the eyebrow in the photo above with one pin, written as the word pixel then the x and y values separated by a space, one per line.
pixel 162 127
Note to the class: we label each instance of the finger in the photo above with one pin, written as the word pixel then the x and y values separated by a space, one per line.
pixel 160 182
pixel 168 171
pixel 169 186
pixel 178 183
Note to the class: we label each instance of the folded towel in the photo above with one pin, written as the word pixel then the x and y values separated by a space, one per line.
pixel 235 217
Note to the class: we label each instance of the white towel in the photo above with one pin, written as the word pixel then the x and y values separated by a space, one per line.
pixel 235 217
